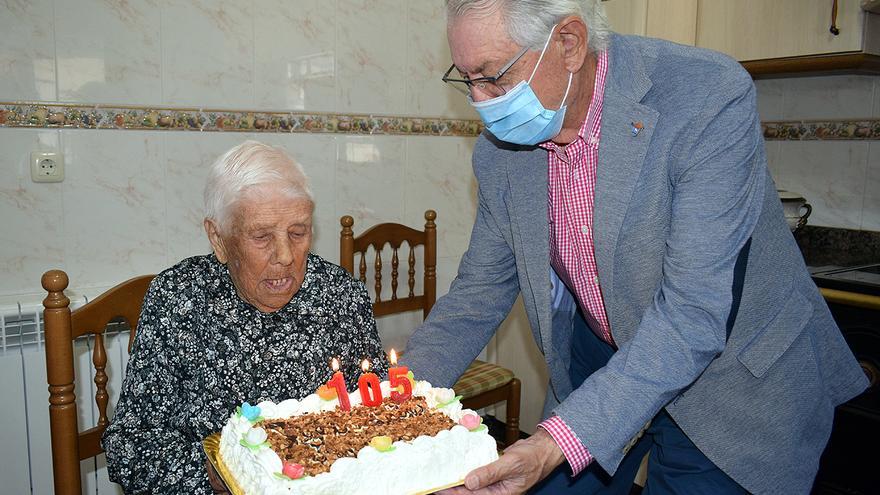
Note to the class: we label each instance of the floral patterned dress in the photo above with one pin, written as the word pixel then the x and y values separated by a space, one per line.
pixel 201 350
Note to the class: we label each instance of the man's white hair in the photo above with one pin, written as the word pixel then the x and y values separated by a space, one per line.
pixel 528 22
pixel 248 165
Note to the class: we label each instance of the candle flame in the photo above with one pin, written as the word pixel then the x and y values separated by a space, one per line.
pixel 365 365
pixel 393 358
pixel 335 364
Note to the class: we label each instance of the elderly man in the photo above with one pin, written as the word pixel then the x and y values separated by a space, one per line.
pixel 259 319
pixel 623 190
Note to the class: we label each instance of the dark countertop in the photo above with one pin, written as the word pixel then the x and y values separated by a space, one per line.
pixel 822 246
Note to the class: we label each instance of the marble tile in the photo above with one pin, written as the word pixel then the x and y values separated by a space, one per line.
pixel 830 175
pixel 114 206
pixel 827 97
pixel 439 177
pixel 31 229
pixel 317 155
pixel 876 112
pixel 109 51
pixel 370 179
pixel 188 157
pixel 871 208
pixel 295 55
pixel 771 148
pixel 27 53
pixel 208 53
pixel 427 58
pixel 371 56
pixel 770 98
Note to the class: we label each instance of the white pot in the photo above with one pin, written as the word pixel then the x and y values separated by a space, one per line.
pixel 796 209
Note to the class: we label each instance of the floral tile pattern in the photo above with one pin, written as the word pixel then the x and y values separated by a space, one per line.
pixel 833 130
pixel 57 115
pixel 61 115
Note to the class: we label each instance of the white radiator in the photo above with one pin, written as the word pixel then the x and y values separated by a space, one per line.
pixel 25 455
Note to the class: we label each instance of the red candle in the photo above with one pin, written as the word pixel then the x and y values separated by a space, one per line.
pixel 398 379
pixel 368 384
pixel 338 383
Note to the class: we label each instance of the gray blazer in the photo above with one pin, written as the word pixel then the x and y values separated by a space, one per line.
pixel 709 300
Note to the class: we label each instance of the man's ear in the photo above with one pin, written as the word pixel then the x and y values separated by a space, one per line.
pixel 574 41
pixel 216 240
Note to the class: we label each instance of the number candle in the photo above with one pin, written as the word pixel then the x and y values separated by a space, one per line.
pixel 338 383
pixel 398 379
pixel 368 384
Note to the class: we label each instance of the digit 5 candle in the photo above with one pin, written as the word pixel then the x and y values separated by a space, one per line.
pixel 397 377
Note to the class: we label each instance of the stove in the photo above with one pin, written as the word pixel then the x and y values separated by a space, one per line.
pixel 848 464
pixel 862 279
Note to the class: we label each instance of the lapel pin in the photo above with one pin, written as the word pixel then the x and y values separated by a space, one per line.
pixel 636 128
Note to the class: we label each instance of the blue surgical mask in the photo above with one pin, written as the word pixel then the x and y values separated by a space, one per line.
pixel 518 117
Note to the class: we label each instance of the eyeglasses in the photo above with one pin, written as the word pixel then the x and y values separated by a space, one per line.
pixel 488 85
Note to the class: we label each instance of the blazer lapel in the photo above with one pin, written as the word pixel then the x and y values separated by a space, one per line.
pixel 527 176
pixel 627 127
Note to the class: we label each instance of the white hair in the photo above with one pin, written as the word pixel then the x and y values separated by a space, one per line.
pixel 251 164
pixel 528 22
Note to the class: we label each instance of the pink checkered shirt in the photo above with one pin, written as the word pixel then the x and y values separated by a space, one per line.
pixel 571 188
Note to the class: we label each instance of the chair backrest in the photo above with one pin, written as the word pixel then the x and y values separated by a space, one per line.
pixel 395 235
pixel 62 326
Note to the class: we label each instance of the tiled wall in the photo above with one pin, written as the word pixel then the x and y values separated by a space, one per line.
pixel 131 200
pixel 839 178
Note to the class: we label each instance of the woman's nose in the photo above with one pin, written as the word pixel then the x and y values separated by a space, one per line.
pixel 283 252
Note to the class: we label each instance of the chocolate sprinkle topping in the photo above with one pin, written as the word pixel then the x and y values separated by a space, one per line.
pixel 316 440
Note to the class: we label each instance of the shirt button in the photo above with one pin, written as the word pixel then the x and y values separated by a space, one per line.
pixel 585 229
pixel 596 279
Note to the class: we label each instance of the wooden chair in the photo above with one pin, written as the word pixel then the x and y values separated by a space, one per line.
pixel 62 327
pixel 482 384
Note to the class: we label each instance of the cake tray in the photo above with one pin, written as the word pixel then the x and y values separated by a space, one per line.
pixel 211 445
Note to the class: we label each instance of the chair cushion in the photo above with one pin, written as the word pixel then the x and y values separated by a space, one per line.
pixel 481 377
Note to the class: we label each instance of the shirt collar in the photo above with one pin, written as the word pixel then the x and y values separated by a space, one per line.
pixel 589 126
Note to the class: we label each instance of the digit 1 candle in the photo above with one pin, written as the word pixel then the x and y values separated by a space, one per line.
pixel 368 384
pixel 398 379
pixel 338 383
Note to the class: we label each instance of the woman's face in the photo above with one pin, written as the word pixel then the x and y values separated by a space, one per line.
pixel 266 246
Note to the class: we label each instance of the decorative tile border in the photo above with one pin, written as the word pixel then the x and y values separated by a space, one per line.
pixel 833 130
pixel 73 116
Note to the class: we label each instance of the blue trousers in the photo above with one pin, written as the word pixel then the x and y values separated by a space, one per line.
pixel 675 464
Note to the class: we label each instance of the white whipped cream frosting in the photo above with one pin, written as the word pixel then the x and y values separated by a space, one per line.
pixel 424 463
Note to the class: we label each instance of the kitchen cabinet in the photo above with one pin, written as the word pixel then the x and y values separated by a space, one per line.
pixel 673 20
pixel 761 29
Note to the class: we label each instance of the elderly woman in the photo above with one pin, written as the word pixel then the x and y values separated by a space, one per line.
pixel 259 319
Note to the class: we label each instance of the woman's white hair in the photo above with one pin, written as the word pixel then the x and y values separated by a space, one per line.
pixel 248 165
pixel 528 22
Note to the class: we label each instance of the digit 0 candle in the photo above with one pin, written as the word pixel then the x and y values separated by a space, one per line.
pixel 338 383
pixel 368 384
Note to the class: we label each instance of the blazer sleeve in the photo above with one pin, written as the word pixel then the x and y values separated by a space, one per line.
pixel 482 294
pixel 718 185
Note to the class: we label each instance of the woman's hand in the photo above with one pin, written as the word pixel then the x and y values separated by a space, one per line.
pixel 521 466
pixel 216 481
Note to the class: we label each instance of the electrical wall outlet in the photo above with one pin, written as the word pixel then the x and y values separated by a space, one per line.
pixel 47 166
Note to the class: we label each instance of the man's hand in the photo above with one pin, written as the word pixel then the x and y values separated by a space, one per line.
pixel 521 466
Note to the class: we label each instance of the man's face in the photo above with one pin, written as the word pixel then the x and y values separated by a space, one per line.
pixel 480 47
pixel 266 247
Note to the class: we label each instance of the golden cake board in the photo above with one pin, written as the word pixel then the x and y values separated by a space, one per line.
pixel 211 445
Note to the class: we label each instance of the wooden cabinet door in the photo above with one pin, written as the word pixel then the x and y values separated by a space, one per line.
pixel 673 20
pixel 760 29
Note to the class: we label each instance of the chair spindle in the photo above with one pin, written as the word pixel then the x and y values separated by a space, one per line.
pixel 99 358
pixel 412 273
pixel 394 264
pixel 377 267
pixel 362 268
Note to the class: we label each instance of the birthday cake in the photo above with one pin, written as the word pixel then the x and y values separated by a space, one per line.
pixel 313 446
